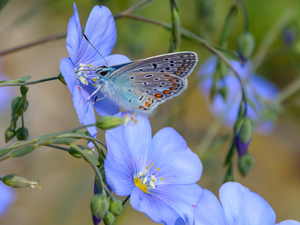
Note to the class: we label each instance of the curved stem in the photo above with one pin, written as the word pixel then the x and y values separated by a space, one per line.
pixel 95 168
pixel 246 17
pixel 58 147
pixel 28 83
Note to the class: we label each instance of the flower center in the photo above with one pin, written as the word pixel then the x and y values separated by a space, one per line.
pixel 85 75
pixel 145 181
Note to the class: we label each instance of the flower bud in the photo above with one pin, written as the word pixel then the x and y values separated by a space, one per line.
pixel 15 105
pixel 245 45
pixel 15 181
pixel 223 91
pixel 99 205
pixel 115 207
pixel 9 134
pixel 245 163
pixel 289 36
pixel 109 122
pixel 23 90
pixel 76 154
pixel 109 218
pixel 243 131
pixel 62 79
pixel 22 134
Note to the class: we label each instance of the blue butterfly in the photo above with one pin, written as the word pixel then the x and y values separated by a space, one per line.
pixel 142 85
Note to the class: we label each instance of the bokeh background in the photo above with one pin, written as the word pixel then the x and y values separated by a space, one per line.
pixel 67 182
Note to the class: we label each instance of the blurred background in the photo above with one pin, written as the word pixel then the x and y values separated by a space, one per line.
pixel 67 182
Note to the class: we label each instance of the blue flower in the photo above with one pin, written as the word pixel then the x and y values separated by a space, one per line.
pixel 7 197
pixel 240 206
pixel 6 94
pixel 259 90
pixel 101 32
pixel 158 173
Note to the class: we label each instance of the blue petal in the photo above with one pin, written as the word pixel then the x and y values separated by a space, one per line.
pixel 243 70
pixel 288 222
pixel 242 206
pixel 177 163
pixel 89 119
pixel 6 94
pixel 101 31
pixel 67 70
pixel 264 88
pixel 105 106
pixel 7 197
pixel 74 36
pixel 111 60
pixel 209 211
pixel 174 204
pixel 127 147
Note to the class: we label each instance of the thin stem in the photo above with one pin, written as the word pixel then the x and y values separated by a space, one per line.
pixel 291 89
pixel 58 147
pixel 30 44
pixel 246 17
pixel 64 34
pixel 131 9
pixel 97 172
pixel 28 83
pixel 22 119
pixel 4 158
pixel 126 199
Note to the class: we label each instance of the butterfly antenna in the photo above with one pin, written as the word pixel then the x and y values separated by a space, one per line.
pixel 95 49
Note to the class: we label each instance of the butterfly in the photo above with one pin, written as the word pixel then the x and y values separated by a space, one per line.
pixel 142 85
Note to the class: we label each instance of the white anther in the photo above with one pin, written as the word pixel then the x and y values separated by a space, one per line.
pixel 145 180
pixel 153 178
pixel 152 184
pixel 82 65
pixel 140 174
pixel 83 80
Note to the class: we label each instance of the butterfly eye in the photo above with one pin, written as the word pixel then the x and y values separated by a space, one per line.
pixel 103 73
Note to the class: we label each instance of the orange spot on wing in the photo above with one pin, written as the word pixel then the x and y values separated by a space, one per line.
pixel 149 99
pixel 166 92
pixel 157 96
pixel 174 84
pixel 141 107
pixel 184 64
pixel 147 104
pixel 180 68
pixel 167 75
pixel 177 73
pixel 171 88
pixel 171 80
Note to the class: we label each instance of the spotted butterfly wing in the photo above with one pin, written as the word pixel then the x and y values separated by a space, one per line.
pixel 144 84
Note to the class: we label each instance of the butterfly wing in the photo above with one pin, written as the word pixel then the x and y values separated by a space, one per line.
pixel 144 84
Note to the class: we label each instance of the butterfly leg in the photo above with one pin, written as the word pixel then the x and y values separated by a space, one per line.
pixel 96 99
pixel 97 90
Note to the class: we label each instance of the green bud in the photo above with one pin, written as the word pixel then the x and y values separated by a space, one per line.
pixel 223 91
pixel 15 181
pixel 76 154
pixel 15 105
pixel 109 122
pixel 9 134
pixel 62 79
pixel 22 151
pixel 24 90
pixel 246 131
pixel 99 205
pixel 115 207
pixel 109 219
pixel 245 45
pixel 22 134
pixel 245 163
pixel 238 124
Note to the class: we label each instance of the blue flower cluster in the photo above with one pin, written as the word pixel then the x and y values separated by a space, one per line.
pixel 160 172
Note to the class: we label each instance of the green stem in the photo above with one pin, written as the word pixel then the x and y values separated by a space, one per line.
pixel 58 147
pixel 246 17
pixel 126 199
pixel 22 119
pixel 291 89
pixel 270 37
pixel 95 168
pixel 28 83
pixel 4 158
